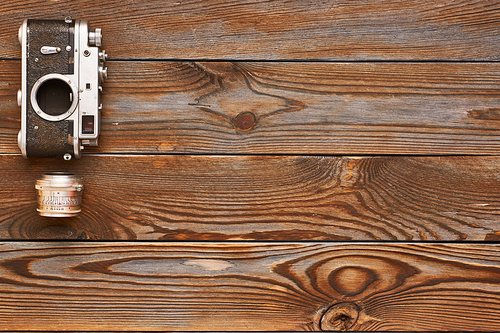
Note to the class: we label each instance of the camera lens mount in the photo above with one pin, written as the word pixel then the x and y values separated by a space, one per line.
pixel 54 97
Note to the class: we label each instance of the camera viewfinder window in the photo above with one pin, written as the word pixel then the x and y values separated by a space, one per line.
pixel 54 97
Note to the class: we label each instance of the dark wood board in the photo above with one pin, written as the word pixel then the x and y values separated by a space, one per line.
pixel 262 198
pixel 238 286
pixel 288 108
pixel 276 30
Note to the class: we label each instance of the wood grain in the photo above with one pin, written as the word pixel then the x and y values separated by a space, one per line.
pixel 276 30
pixel 288 108
pixel 261 198
pixel 207 286
pixel 224 124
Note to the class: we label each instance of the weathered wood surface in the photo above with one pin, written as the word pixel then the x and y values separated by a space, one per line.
pixel 288 108
pixel 277 30
pixel 261 198
pixel 207 286
pixel 349 78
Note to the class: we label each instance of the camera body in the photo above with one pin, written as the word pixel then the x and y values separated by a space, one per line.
pixel 62 69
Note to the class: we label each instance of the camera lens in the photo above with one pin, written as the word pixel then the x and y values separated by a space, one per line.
pixel 59 194
pixel 54 97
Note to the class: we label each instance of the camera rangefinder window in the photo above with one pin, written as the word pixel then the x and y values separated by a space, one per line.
pixel 54 97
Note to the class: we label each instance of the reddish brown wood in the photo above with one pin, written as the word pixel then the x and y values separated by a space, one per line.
pixel 255 125
pixel 263 287
pixel 260 198
pixel 276 30
pixel 288 108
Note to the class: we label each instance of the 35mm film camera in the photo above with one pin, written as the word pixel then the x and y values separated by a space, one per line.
pixel 62 69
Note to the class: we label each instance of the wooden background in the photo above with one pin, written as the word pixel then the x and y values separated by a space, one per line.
pixel 267 165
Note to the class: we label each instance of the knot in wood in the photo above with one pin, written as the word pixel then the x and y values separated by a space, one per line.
pixel 245 121
pixel 340 317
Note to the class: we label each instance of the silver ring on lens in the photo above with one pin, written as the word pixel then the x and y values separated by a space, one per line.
pixel 59 194
pixel 74 97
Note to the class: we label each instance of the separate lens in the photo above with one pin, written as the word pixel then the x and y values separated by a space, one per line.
pixel 59 194
pixel 54 97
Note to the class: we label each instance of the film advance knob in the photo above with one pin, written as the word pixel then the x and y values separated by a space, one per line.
pixel 95 38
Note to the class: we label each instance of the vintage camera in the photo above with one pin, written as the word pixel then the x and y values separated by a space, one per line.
pixel 62 69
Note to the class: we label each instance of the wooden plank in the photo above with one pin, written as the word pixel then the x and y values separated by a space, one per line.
pixel 276 30
pixel 288 108
pixel 285 287
pixel 261 198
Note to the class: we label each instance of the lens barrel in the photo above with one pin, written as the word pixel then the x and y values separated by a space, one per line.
pixel 59 194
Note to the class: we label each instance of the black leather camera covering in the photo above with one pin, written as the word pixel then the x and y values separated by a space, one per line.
pixel 48 138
